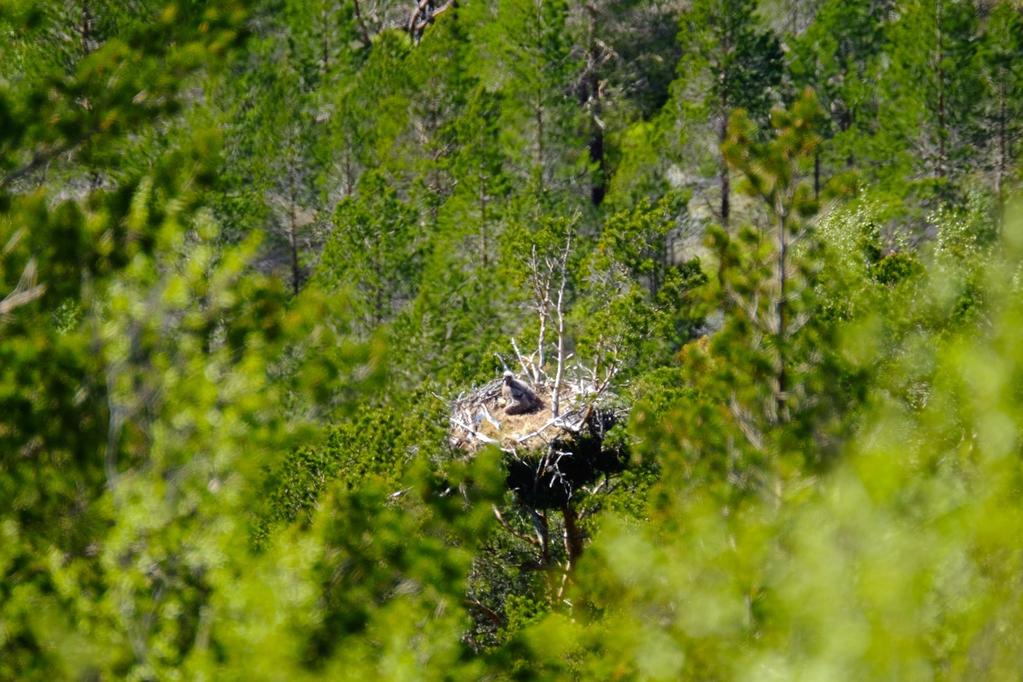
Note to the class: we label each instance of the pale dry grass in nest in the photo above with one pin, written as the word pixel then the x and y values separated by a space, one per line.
pixel 514 426
pixel 478 418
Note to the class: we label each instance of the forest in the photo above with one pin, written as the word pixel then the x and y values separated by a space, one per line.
pixel 511 340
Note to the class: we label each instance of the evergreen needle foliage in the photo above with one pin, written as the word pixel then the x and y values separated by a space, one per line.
pixel 761 262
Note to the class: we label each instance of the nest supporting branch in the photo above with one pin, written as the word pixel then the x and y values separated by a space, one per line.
pixel 549 456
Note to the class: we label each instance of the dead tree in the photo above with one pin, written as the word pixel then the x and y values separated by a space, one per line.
pixel 424 14
pixel 557 450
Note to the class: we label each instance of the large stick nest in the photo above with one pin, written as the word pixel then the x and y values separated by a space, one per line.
pixel 478 418
pixel 548 457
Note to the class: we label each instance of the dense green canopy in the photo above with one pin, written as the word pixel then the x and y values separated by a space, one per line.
pixel 761 260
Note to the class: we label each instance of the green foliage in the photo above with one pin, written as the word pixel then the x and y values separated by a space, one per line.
pixel 729 60
pixel 743 60
pixel 935 46
pixel 250 250
pixel 379 445
pixel 914 523
pixel 525 49
pixel 373 246
pixel 840 56
pixel 639 307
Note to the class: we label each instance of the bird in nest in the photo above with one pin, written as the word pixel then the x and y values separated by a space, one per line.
pixel 518 397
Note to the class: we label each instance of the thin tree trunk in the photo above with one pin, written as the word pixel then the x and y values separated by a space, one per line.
pixel 781 312
pixel 598 186
pixel 573 537
pixel 325 57
pixel 725 190
pixel 1000 167
pixel 543 535
pixel 556 398
pixel 484 247
pixel 540 152
pixel 942 132
pixel 725 107
pixel 349 173
pixel 293 239
pixel 817 174
pixel 361 24
pixel 726 207
pixel 845 124
pixel 86 28
pixel 591 94
pixel 379 294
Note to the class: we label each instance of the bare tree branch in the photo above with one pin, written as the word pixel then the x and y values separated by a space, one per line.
pixel 504 524
pixel 559 308
pixel 363 31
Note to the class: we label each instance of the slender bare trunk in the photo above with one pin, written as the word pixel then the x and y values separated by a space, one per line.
pixel 560 310
pixel 573 537
pixel 361 24
pixel 540 341
pixel 293 241
pixel 781 312
pixel 591 96
pixel 942 132
pixel 726 207
pixel 556 398
pixel 817 174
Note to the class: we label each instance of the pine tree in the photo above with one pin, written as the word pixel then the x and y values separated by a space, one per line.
pixel 122 317
pixel 729 61
pixel 374 248
pixel 839 57
pixel 524 50
pixel 1003 102
pixel 759 388
pixel 934 45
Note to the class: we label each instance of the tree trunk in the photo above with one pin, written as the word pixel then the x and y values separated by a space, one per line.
pixel 598 186
pixel 591 96
pixel 543 536
pixel 325 47
pixel 540 152
pixel 293 242
pixel 942 132
pixel 817 174
pixel 1000 167
pixel 573 536
pixel 726 207
pixel 86 28
pixel 294 264
pixel 781 312
pixel 360 23
pixel 484 247
pixel 725 189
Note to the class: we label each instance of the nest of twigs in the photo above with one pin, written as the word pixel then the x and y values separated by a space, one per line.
pixel 548 456
pixel 478 418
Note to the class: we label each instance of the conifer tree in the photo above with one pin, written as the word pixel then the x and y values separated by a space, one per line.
pixel 839 57
pixel 933 44
pixel 524 49
pixel 729 61
pixel 374 249
pixel 1003 80
pixel 251 249
pixel 121 317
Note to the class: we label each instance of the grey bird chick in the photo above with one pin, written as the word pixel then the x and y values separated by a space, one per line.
pixel 518 398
